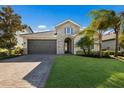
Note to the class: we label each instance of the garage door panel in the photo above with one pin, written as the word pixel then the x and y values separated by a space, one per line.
pixel 42 46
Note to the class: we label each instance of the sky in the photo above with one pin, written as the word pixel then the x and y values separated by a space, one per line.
pixel 45 17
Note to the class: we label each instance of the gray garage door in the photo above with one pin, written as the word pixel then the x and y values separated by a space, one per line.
pixel 42 46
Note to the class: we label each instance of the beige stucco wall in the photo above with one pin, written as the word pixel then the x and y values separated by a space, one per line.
pixel 61 36
pixel 108 42
pixel 47 35
pixel 25 44
pixel 19 38
pixel 76 39
pixel 110 45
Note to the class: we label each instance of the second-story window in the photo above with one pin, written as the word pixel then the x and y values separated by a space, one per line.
pixel 68 31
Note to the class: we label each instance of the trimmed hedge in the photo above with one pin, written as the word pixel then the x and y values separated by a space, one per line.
pixel 3 52
pixel 15 51
pixel 106 53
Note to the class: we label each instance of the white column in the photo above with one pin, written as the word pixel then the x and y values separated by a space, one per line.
pixel 25 47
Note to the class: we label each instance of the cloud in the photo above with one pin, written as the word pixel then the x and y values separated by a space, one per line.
pixel 41 28
pixel 83 28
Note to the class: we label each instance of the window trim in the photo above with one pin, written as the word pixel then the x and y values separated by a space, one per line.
pixel 68 30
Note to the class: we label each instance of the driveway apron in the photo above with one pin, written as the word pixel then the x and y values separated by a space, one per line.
pixel 25 71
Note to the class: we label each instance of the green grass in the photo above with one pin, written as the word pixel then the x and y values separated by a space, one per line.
pixel 76 71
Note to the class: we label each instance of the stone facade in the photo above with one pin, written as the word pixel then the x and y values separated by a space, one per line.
pixel 61 36
pixel 58 34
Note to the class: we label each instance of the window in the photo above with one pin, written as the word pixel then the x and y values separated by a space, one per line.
pixel 68 31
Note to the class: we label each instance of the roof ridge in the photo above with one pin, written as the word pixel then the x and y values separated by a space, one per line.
pixel 70 20
pixel 38 32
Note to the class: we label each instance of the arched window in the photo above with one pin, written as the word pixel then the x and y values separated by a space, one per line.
pixel 68 31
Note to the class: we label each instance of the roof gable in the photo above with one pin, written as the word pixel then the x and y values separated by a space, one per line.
pixel 66 22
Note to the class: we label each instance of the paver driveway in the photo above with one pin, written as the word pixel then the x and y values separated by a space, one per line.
pixel 25 71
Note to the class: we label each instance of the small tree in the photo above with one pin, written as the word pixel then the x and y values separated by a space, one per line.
pixel 85 43
pixel 88 34
pixel 10 23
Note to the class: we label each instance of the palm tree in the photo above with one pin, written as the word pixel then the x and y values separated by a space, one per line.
pixel 121 35
pixel 89 31
pixel 115 22
pixel 100 23
pixel 121 40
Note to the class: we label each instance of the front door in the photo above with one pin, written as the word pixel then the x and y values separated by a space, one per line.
pixel 68 45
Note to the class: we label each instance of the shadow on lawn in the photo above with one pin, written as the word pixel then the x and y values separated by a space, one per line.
pixel 115 81
pixel 94 74
pixel 83 72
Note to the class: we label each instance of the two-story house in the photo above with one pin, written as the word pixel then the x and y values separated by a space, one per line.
pixel 59 41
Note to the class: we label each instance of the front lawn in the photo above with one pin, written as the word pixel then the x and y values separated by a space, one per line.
pixel 86 72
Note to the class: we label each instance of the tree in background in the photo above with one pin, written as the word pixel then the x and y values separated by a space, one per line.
pixel 121 35
pixel 115 21
pixel 121 40
pixel 100 24
pixel 89 31
pixel 10 23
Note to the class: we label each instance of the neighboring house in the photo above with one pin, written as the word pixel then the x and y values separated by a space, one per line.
pixel 109 42
pixel 59 41
pixel 19 38
pixel 20 41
